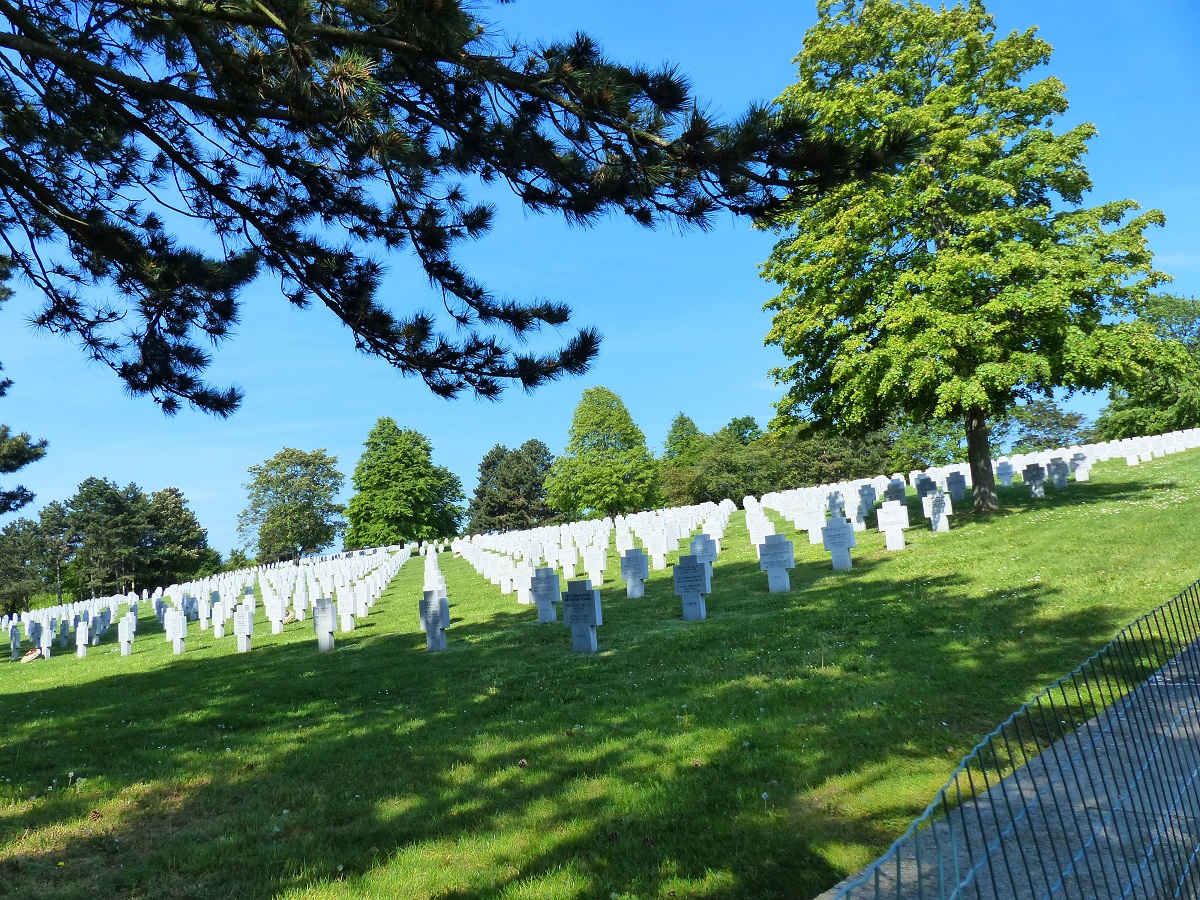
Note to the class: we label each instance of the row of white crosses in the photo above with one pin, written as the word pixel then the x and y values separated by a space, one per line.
pixel 87 620
pixel 359 578
pixel 660 533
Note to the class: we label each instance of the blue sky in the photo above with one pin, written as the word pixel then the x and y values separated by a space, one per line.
pixel 681 313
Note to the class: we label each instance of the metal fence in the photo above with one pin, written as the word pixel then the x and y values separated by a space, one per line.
pixel 1092 789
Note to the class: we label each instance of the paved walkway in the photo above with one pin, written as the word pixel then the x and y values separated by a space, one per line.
pixel 1112 810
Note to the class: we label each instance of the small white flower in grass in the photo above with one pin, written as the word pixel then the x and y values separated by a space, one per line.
pixel 745 743
pixel 765 795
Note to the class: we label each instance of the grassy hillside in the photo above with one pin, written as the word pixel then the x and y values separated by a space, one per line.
pixel 766 752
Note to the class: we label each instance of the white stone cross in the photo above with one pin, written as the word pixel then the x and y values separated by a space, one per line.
pixel 938 508
pixel 581 613
pixel 775 556
pixel 893 519
pixel 838 538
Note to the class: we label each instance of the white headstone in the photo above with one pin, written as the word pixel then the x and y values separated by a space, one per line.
pixel 544 589
pixel 838 538
pixel 893 519
pixel 692 582
pixel 323 624
pixel 775 556
pixel 635 570
pixel 581 613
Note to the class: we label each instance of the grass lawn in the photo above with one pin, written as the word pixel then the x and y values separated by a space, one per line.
pixel 766 752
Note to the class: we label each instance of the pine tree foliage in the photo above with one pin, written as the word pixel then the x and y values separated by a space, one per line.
pixel 606 469
pixel 400 495
pixel 291 505
pixel 511 493
pixel 974 278
pixel 16 452
pixel 20 548
pixel 684 441
pixel 311 139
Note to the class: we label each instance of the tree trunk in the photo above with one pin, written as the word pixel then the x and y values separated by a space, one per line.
pixel 979 454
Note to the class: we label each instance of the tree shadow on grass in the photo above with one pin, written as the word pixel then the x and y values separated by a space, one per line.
pixel 400 772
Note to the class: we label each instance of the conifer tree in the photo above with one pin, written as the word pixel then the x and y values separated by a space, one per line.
pixel 16 452
pixel 511 494
pixel 312 140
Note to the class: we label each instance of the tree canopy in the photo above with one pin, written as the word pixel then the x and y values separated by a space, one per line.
pixel 400 495
pixel 16 452
pixel 291 507
pixel 309 141
pixel 973 278
pixel 104 539
pixel 606 469
pixel 1164 398
pixel 511 493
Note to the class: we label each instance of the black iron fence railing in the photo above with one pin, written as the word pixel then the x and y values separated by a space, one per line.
pixel 1092 789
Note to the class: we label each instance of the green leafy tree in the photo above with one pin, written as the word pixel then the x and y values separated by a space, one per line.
pixel 16 452
pixel 511 494
pixel 972 279
pixel 1163 399
pixel 807 455
pixel 743 429
pixel 606 469
pixel 20 551
pixel 309 140
pixel 400 495
pixel 291 507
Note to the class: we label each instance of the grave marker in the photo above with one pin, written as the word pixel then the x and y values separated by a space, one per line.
pixel 956 486
pixel 705 549
pixel 125 636
pixel 435 619
pixel 544 588
pixel 81 638
pixel 323 623
pixel 1035 476
pixel 775 556
pixel 938 508
pixel 691 584
pixel 893 519
pixel 635 570
pixel 581 613
pixel 243 628
pixel 838 538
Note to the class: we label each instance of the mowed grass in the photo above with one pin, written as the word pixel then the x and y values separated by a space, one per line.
pixel 766 752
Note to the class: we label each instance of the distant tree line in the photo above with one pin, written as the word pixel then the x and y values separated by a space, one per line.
pixel 105 539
